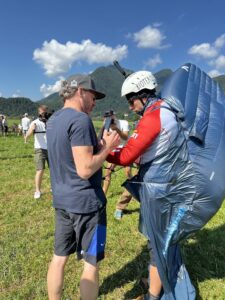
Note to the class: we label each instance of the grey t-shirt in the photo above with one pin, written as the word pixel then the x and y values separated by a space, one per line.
pixel 67 128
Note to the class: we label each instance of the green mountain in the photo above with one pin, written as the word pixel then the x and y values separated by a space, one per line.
pixel 53 101
pixel 107 79
pixel 17 106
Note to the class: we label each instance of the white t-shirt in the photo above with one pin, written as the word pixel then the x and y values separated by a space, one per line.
pixel 123 125
pixel 25 122
pixel 40 140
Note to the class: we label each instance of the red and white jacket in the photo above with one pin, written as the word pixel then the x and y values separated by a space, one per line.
pixel 152 137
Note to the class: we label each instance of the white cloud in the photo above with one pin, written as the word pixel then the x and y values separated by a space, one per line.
pixel 207 50
pixel 214 73
pixel 154 61
pixel 204 50
pixel 50 89
pixel 219 62
pixel 58 58
pixel 220 41
pixel 149 37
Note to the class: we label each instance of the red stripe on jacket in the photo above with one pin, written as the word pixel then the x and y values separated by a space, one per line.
pixel 145 133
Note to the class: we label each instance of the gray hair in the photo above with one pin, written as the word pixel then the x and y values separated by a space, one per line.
pixel 66 90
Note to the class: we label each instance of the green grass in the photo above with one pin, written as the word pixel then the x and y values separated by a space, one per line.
pixel 27 236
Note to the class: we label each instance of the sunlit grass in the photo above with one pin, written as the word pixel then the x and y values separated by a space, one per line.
pixel 27 236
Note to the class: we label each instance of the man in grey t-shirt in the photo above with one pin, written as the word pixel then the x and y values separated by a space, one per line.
pixel 75 159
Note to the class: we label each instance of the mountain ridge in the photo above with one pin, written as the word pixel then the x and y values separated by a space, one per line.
pixel 108 80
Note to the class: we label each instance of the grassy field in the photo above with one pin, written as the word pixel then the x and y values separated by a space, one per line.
pixel 27 235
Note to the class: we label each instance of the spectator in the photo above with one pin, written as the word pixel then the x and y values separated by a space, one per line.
pixel 25 122
pixel 5 125
pixel 122 128
pixel 38 128
pixel 1 125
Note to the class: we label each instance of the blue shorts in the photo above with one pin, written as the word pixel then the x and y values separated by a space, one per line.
pixel 84 234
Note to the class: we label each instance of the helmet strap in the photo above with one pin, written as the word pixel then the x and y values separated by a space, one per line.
pixel 145 105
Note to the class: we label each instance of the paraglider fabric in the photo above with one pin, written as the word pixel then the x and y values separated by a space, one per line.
pixel 185 186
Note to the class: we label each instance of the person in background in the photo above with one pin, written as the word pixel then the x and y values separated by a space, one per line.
pixel 5 125
pixel 25 123
pixel 1 126
pixel 76 160
pixel 38 128
pixel 20 130
pixel 122 128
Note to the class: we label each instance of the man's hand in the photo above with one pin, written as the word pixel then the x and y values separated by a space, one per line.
pixel 30 132
pixel 110 140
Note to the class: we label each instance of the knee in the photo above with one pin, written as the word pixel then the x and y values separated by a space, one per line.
pixel 90 270
pixel 59 261
pixel 40 172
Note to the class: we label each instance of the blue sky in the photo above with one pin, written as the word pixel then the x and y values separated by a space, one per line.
pixel 43 41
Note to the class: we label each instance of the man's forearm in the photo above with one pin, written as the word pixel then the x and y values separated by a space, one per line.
pixel 29 132
pixel 98 160
pixel 87 163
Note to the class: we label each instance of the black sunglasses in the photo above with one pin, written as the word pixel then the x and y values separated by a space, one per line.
pixel 131 99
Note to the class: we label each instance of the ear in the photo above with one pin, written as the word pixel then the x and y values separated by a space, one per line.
pixel 80 92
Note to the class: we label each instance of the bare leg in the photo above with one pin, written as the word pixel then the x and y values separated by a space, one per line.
pixel 38 179
pixel 108 173
pixel 89 282
pixel 124 200
pixel 128 172
pixel 55 277
pixel 155 281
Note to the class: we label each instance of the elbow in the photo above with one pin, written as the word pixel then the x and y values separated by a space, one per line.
pixel 84 174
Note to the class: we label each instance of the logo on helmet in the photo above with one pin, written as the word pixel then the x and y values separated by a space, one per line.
pixel 143 82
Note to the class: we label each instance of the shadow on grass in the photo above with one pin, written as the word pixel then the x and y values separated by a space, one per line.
pixel 131 211
pixel 204 258
pixel 134 270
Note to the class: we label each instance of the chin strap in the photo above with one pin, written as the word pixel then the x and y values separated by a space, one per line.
pixel 145 105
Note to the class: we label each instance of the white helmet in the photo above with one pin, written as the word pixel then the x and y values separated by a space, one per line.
pixel 138 81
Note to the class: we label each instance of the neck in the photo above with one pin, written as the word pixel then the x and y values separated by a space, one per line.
pixel 73 103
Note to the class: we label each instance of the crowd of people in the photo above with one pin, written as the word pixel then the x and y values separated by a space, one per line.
pixel 16 129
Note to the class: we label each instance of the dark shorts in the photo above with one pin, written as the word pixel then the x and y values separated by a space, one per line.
pixel 40 157
pixel 84 234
